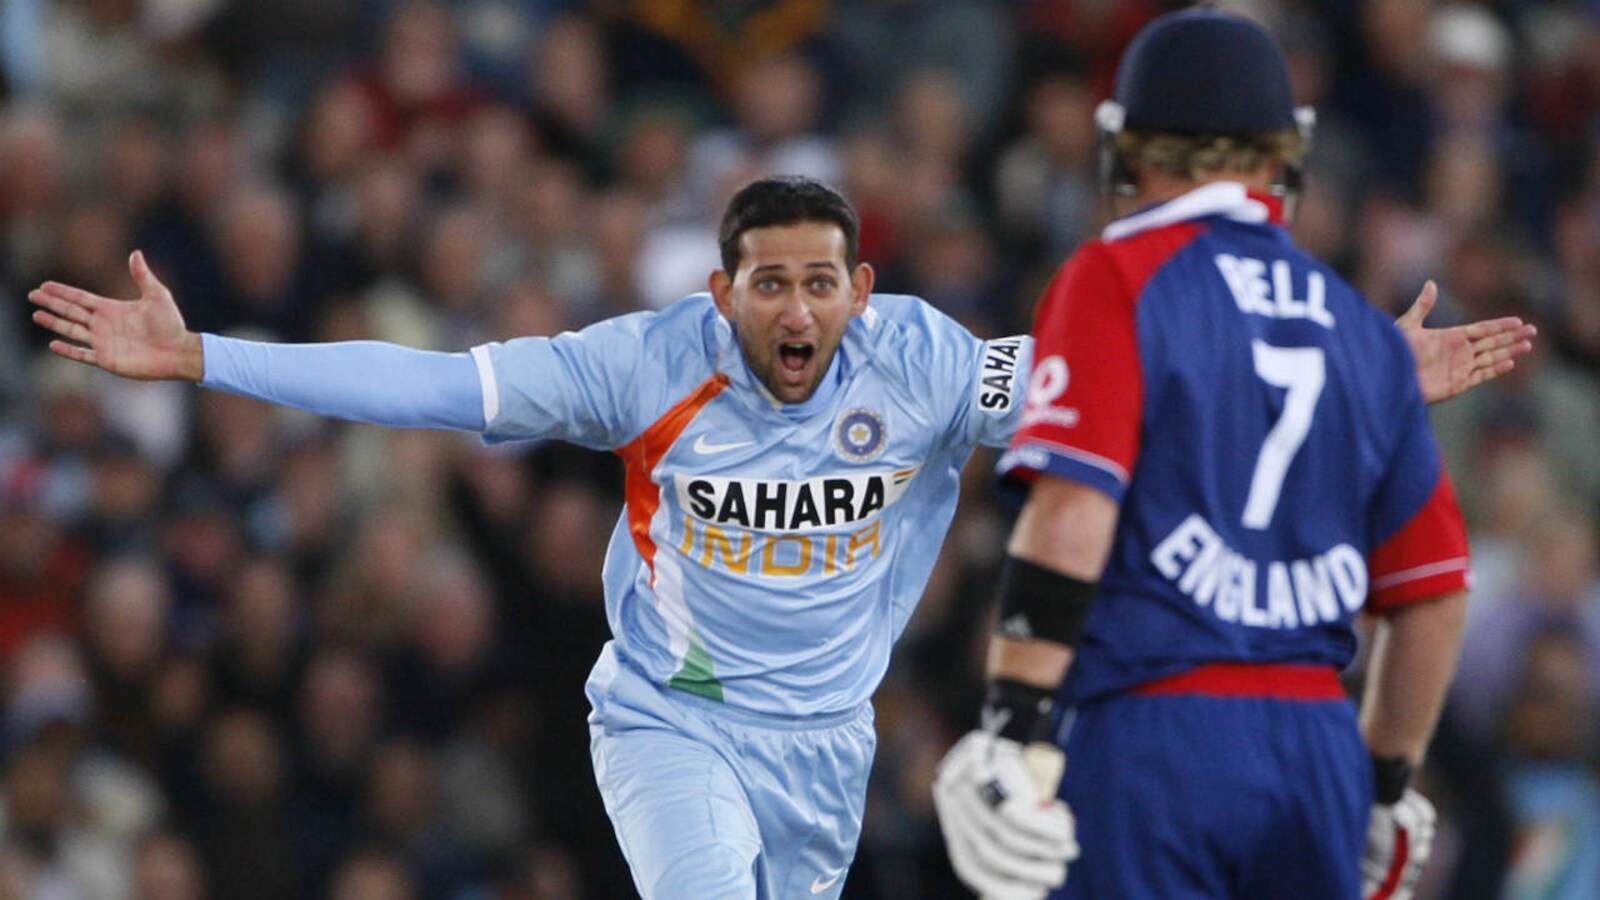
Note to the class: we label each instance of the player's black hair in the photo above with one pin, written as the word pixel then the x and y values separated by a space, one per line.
pixel 786 200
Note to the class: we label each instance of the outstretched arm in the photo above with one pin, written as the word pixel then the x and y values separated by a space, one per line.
pixel 365 381
pixel 1451 360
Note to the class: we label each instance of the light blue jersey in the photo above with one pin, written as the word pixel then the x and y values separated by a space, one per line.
pixel 769 555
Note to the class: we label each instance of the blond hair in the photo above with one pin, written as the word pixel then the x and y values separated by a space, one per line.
pixel 1200 156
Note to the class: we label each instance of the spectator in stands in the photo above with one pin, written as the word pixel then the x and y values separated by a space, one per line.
pixel 1558 591
pixel 340 717
pixel 258 658
pixel 246 836
pixel 1550 783
pixel 1045 185
pixel 167 867
pixel 418 91
pixel 373 874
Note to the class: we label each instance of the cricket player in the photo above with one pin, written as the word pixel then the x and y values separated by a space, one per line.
pixel 792 452
pixel 1227 458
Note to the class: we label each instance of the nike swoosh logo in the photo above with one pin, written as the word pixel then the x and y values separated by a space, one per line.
pixel 706 448
pixel 818 885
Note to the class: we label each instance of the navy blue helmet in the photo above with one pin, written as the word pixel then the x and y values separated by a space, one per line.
pixel 1200 71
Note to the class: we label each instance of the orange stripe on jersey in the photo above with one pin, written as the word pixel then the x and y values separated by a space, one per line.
pixel 643 453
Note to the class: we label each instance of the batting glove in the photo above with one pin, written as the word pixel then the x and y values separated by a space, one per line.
pixel 1008 839
pixel 1399 839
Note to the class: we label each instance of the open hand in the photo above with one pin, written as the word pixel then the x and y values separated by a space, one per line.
pixel 1451 360
pixel 143 338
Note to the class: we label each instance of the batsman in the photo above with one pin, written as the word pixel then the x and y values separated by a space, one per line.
pixel 1227 461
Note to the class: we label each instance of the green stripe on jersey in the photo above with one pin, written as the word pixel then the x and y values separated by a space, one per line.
pixel 696 676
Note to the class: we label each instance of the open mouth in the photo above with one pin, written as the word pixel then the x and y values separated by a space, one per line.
pixel 794 355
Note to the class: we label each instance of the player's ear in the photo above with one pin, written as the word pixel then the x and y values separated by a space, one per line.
pixel 861 286
pixel 722 292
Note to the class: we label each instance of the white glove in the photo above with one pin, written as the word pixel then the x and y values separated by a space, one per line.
pixel 1399 840
pixel 1007 838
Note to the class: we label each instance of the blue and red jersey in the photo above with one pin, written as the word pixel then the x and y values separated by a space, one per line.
pixel 1261 426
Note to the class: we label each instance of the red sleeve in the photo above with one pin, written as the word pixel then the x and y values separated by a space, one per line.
pixel 1426 558
pixel 1085 398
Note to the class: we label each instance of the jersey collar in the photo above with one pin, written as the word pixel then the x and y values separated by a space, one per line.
pixel 1228 199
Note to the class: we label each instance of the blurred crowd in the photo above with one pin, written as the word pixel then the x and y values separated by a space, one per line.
pixel 246 653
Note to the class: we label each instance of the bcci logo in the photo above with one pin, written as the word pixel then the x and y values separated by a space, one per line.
pixel 860 434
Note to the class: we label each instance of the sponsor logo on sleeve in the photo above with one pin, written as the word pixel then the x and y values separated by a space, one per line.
pixel 1048 384
pixel 997 377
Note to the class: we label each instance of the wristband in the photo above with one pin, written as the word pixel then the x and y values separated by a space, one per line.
pixel 1019 711
pixel 1040 604
pixel 1390 775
